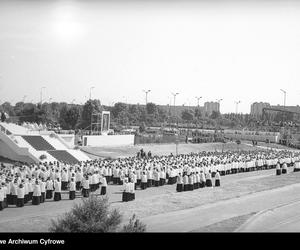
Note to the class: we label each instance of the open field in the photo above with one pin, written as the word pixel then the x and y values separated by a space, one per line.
pixel 164 149
pixel 163 209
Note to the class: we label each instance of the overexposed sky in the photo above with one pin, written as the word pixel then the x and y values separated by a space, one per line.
pixel 234 50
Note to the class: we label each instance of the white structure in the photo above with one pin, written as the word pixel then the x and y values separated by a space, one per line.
pixel 27 145
pixel 105 122
pixel 108 140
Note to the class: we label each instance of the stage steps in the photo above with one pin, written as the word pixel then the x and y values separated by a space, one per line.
pixel 38 142
pixel 63 156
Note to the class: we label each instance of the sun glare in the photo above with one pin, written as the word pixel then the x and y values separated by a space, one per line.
pixel 65 26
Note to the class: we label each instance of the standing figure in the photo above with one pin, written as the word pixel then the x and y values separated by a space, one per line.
pixel 144 181
pixel 131 191
pixel 21 195
pixel 72 189
pixel 126 190
pixel 103 185
pixel 278 169
pixel 49 188
pixel 185 182
pixel 57 190
pixel 284 168
pixel 208 180
pixel 217 179
pixel 179 186
pixel 43 190
pixel 2 206
pixel 36 197
pixel 86 187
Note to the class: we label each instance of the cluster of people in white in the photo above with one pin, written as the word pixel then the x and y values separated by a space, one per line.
pixel 36 183
pixel 34 126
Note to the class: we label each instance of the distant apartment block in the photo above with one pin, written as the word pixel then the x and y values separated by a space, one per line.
pixel 257 108
pixel 209 107
pixel 287 108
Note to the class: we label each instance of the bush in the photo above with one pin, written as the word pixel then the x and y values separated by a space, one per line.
pixel 93 216
pixel 134 226
pixel 43 157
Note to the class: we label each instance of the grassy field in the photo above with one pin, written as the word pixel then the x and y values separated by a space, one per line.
pixel 163 149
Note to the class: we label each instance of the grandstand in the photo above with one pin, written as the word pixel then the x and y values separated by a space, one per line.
pixel 26 145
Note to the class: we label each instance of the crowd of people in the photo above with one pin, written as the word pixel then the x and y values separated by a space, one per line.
pixel 35 183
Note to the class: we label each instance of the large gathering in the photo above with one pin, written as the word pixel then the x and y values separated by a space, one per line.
pixel 36 183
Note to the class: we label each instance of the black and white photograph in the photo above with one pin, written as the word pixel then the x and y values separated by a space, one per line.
pixel 147 116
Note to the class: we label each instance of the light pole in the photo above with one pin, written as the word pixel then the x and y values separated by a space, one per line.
pixel 219 101
pixel 176 142
pixel 198 98
pixel 284 92
pixel 236 107
pixel 41 93
pixel 146 92
pixel 174 95
pixel 91 92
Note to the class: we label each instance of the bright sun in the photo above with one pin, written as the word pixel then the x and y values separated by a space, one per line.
pixel 68 30
pixel 65 25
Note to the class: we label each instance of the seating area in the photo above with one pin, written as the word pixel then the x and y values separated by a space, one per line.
pixel 63 156
pixel 38 142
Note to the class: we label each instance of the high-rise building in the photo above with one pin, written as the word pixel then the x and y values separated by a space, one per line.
pixel 209 107
pixel 257 108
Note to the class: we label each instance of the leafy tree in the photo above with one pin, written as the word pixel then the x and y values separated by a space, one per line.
pixel 151 108
pixel 72 117
pixel 18 107
pixel 198 113
pixel 215 115
pixel 8 108
pixel 118 108
pixel 187 115
pixel 63 117
pixel 91 106
pixel 142 128
pixel 32 113
pixel 3 117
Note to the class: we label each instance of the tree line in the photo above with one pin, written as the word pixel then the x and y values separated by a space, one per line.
pixel 75 116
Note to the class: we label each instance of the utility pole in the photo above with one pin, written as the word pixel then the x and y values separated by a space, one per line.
pixel 219 101
pixel 91 92
pixel 146 92
pixel 284 92
pixel 174 95
pixel 236 106
pixel 176 142
pixel 198 98
pixel 41 94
